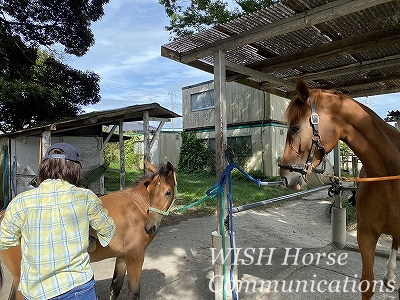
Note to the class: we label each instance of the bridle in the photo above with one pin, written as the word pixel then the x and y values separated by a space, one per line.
pixel 307 168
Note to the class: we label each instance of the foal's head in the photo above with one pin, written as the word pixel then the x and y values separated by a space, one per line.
pixel 161 189
pixel 309 119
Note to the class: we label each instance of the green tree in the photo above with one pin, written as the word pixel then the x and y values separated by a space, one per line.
pixel 35 87
pixel 345 155
pixel 193 155
pixel 187 18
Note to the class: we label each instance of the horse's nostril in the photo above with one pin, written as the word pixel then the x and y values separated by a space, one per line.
pixel 151 230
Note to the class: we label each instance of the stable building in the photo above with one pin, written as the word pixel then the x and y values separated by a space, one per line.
pixel 255 127
pixel 22 151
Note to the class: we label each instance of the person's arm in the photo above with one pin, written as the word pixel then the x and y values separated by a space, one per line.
pixel 99 220
pixel 10 239
pixel 10 227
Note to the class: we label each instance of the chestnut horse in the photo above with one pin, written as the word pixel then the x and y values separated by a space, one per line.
pixel 317 120
pixel 134 212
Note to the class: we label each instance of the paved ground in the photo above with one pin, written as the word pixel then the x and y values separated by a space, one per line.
pixel 178 263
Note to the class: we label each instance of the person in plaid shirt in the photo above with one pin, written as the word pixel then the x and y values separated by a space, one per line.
pixel 52 223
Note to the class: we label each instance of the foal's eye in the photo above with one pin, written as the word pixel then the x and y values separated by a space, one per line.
pixel 295 128
pixel 168 193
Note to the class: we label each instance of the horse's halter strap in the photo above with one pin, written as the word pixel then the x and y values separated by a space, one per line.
pixel 167 212
pixel 308 167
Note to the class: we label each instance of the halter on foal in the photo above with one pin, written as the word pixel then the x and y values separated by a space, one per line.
pixel 376 143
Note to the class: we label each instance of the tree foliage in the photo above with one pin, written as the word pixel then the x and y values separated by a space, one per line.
pixel 36 87
pixel 193 155
pixel 198 15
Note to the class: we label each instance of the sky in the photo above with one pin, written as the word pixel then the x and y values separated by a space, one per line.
pixel 127 56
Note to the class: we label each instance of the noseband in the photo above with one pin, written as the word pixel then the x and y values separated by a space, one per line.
pixel 316 145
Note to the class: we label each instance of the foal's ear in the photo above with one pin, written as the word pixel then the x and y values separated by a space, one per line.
pixel 149 166
pixel 302 90
pixel 170 167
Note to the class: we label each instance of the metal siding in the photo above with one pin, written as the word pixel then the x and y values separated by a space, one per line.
pixel 169 145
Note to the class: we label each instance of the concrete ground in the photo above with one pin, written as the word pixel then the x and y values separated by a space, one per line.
pixel 178 263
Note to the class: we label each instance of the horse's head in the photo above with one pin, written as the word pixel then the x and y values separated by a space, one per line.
pixel 161 189
pixel 310 135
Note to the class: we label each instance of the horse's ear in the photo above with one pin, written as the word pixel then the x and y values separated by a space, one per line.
pixel 302 90
pixel 149 166
pixel 170 167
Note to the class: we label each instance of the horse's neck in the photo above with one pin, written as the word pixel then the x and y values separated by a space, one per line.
pixel 376 143
pixel 139 196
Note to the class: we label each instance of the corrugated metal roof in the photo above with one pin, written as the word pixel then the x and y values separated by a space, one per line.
pixel 351 46
pixel 105 117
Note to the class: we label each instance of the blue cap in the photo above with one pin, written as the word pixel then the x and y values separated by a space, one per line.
pixel 70 152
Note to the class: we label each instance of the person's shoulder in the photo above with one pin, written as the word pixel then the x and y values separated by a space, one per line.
pixel 18 201
pixel 84 191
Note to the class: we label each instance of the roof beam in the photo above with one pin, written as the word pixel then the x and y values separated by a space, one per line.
pixel 257 74
pixel 311 17
pixel 375 64
pixel 352 45
pixel 374 92
pixel 356 83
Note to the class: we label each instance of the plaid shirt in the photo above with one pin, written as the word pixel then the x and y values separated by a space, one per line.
pixel 51 223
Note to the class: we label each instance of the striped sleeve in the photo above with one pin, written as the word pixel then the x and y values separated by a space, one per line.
pixel 99 219
pixel 10 229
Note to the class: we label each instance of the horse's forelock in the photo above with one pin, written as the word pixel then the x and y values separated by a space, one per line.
pixel 297 108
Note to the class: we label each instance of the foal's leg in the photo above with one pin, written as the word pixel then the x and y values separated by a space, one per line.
pixel 118 278
pixel 367 243
pixel 134 263
pixel 391 264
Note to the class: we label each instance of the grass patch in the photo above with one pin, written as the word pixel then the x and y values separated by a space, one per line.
pixel 193 186
pixel 111 178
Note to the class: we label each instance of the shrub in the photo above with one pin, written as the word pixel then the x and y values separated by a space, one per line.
pixel 193 155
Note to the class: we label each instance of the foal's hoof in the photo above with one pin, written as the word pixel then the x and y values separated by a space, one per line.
pixel 389 283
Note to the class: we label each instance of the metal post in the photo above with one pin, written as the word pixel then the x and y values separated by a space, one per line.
pixel 221 163
pixel 338 212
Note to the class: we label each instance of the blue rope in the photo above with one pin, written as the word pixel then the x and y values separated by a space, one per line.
pixel 234 295
pixel 218 188
pixel 13 179
pixel 5 177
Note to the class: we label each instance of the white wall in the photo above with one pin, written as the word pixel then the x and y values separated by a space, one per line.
pixel 25 152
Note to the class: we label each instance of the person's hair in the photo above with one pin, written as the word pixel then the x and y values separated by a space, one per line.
pixel 59 168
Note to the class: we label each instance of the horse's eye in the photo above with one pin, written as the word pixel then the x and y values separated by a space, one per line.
pixel 168 193
pixel 295 128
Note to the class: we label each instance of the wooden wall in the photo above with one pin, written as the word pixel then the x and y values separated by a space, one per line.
pixel 250 112
pixel 244 105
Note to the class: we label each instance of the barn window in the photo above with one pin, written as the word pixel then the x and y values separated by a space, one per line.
pixel 204 100
pixel 241 146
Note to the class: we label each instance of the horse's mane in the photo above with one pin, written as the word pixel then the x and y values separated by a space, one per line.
pixel 162 171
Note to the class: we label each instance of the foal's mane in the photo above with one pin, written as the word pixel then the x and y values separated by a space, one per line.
pixel 162 171
pixel 297 108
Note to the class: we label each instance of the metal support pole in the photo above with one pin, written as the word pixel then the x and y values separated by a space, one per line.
pixel 338 212
pixel 222 291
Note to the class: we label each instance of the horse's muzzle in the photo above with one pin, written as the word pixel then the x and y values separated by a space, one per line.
pixel 151 230
pixel 293 180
